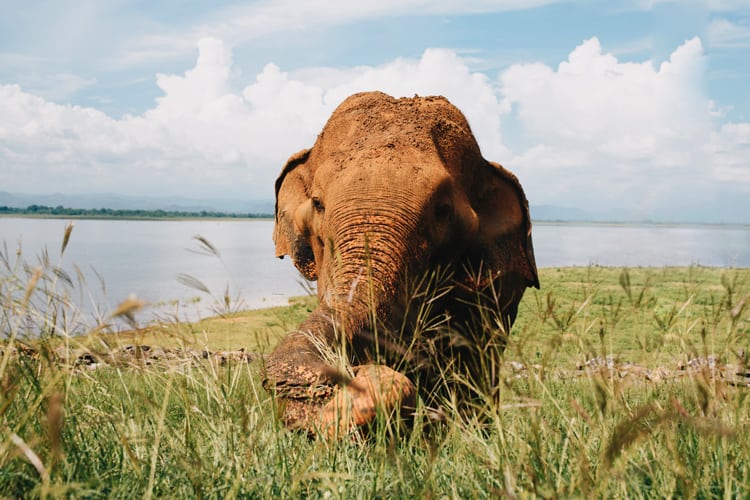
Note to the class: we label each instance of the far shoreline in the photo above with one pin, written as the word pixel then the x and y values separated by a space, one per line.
pixel 155 218
pixel 269 217
pixel 665 224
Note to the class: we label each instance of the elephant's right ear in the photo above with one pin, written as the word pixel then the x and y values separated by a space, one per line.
pixel 292 187
pixel 505 222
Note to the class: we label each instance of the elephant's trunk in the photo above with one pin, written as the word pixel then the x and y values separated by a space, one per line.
pixel 369 258
pixel 363 265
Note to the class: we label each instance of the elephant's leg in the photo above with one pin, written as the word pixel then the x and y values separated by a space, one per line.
pixel 334 412
pixel 297 376
pixel 314 396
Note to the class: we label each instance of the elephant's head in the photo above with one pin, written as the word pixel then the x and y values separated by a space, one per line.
pixel 394 187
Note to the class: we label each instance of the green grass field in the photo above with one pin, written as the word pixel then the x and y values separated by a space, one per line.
pixel 194 427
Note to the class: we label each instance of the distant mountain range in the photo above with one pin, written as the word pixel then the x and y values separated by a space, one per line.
pixel 266 207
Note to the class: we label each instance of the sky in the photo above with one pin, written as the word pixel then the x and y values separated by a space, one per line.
pixel 638 109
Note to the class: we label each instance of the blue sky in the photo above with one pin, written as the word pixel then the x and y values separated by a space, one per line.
pixel 639 108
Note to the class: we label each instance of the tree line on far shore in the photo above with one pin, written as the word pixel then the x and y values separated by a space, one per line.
pixel 43 210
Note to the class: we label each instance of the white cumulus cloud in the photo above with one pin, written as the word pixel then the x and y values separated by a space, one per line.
pixel 204 137
pixel 635 135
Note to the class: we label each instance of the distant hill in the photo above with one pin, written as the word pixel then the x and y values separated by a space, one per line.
pixel 555 213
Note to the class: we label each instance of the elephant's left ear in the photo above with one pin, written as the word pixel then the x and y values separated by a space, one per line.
pixel 291 192
pixel 504 221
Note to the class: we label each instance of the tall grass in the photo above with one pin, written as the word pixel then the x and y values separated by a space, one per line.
pixel 570 416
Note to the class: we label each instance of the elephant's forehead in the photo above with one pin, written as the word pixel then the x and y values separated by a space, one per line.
pixel 381 167
pixel 374 122
pixel 392 150
pixel 388 133
pixel 388 139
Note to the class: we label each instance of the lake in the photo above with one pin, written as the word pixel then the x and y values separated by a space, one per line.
pixel 145 258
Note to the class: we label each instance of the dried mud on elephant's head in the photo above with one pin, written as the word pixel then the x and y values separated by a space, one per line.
pixel 387 131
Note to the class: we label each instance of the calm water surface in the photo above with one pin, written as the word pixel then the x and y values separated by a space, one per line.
pixel 145 258
pixel 641 245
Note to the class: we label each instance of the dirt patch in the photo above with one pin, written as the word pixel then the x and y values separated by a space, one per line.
pixel 709 368
pixel 129 355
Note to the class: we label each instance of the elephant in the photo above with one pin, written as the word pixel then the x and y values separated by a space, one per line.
pixel 394 198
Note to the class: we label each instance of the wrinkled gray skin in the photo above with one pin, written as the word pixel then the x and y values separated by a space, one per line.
pixel 391 190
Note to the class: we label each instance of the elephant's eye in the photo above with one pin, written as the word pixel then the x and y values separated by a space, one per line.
pixel 317 204
pixel 443 211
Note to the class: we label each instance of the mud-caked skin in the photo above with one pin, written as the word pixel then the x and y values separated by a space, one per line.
pixel 394 197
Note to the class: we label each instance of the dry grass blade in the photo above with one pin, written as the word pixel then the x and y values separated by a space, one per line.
pixel 702 425
pixel 31 286
pixel 4 257
pixel 100 278
pixel 334 357
pixel 55 417
pixel 207 248
pixel 66 237
pixel 193 282
pixel 127 307
pixel 80 277
pixel 32 457
pixel 737 310
pixel 629 431
pixel 63 275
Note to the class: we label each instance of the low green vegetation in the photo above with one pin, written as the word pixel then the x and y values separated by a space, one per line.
pixel 573 415
pixel 114 213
